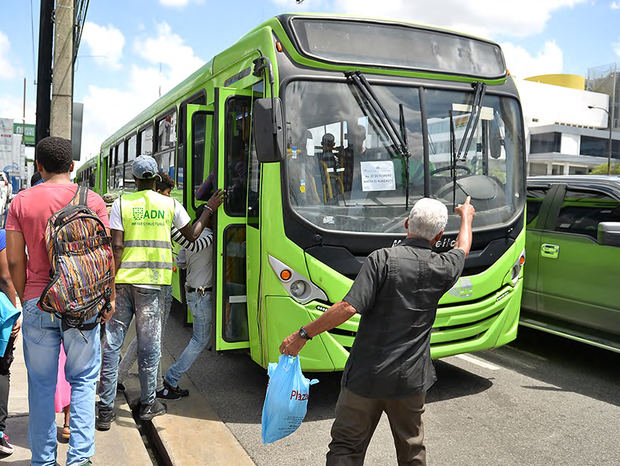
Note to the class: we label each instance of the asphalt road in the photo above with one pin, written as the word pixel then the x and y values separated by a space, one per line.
pixel 541 400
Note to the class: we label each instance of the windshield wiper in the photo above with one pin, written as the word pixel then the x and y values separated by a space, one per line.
pixel 403 134
pixel 399 141
pixel 472 123
pixel 468 135
pixel 453 157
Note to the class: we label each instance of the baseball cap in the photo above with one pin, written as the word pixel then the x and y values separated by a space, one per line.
pixel 144 167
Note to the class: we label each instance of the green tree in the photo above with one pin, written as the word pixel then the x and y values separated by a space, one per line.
pixel 602 169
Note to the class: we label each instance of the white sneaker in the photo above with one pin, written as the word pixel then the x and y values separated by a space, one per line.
pixel 5 446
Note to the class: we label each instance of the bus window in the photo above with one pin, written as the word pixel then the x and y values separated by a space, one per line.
pixel 132 148
pixel 253 188
pixel 234 311
pixel 113 153
pixel 165 162
pixel 102 169
pixel 166 132
pixel 200 98
pixel 128 181
pixel 146 141
pixel 238 120
pixel 335 149
pixel 199 122
pixel 119 166
pixel 166 143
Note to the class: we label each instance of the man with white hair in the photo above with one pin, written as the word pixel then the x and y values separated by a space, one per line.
pixel 389 368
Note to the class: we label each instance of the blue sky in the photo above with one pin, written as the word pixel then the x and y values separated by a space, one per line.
pixel 131 48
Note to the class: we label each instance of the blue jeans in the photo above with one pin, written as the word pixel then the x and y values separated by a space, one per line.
pixel 200 307
pixel 42 337
pixel 146 305
pixel 131 353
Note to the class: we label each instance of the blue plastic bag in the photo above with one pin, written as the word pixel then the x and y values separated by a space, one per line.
pixel 8 316
pixel 286 400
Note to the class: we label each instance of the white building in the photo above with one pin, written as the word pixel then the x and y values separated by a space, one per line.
pixel 12 154
pixel 564 135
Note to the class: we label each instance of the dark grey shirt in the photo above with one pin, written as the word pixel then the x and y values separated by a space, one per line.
pixel 396 293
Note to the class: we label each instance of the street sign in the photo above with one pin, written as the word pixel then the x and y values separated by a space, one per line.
pixel 18 128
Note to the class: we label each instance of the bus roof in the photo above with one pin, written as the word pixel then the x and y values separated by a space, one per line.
pixel 202 74
pixel 89 163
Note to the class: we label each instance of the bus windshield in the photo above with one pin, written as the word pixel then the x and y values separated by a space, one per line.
pixel 345 174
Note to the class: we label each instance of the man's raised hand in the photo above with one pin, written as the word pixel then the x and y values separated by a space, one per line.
pixel 466 209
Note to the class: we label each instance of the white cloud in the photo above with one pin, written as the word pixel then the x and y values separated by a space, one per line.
pixel 107 109
pixel 11 106
pixel 615 6
pixel 482 17
pixel 7 71
pixel 178 3
pixel 522 64
pixel 105 43
pixel 170 50
pixel 292 5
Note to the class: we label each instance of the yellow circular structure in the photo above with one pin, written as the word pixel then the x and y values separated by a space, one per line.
pixel 572 81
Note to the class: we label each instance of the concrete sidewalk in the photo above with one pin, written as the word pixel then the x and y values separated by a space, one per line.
pixel 122 444
pixel 191 432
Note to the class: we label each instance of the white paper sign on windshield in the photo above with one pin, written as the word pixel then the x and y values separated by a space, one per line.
pixel 378 176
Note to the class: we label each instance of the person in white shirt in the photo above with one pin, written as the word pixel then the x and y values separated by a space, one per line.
pixel 198 283
pixel 163 185
pixel 140 225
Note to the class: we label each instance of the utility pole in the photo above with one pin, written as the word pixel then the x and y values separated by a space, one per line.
pixel 610 127
pixel 62 80
pixel 24 116
pixel 44 70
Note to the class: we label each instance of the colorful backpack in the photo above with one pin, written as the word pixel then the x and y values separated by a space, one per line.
pixel 80 254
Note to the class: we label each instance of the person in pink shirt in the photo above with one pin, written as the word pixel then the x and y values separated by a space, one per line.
pixel 42 332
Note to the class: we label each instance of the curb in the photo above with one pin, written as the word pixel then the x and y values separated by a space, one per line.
pixel 191 432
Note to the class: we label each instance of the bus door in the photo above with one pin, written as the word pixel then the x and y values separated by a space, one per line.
pixel 103 173
pixel 234 110
pixel 197 149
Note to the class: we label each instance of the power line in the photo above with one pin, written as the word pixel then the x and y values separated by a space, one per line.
pixel 80 18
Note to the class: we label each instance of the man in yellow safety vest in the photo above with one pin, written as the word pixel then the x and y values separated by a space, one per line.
pixel 140 224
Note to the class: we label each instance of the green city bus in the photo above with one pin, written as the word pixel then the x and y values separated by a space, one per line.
pixel 86 174
pixel 324 130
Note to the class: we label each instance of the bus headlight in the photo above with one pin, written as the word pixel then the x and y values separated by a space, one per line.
pixel 298 287
pixel 516 268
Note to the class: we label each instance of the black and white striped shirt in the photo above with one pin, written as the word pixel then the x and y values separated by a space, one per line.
pixel 203 242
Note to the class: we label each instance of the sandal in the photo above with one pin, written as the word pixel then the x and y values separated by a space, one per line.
pixel 66 431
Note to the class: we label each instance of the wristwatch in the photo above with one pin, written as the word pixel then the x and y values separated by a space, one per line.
pixel 303 334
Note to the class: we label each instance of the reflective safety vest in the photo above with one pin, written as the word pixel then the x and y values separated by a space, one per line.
pixel 147 254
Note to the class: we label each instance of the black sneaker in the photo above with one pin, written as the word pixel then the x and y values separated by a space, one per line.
pixel 171 393
pixel 105 418
pixel 5 446
pixel 148 412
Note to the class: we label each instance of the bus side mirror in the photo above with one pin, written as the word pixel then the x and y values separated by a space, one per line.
pixel 268 130
pixel 609 233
